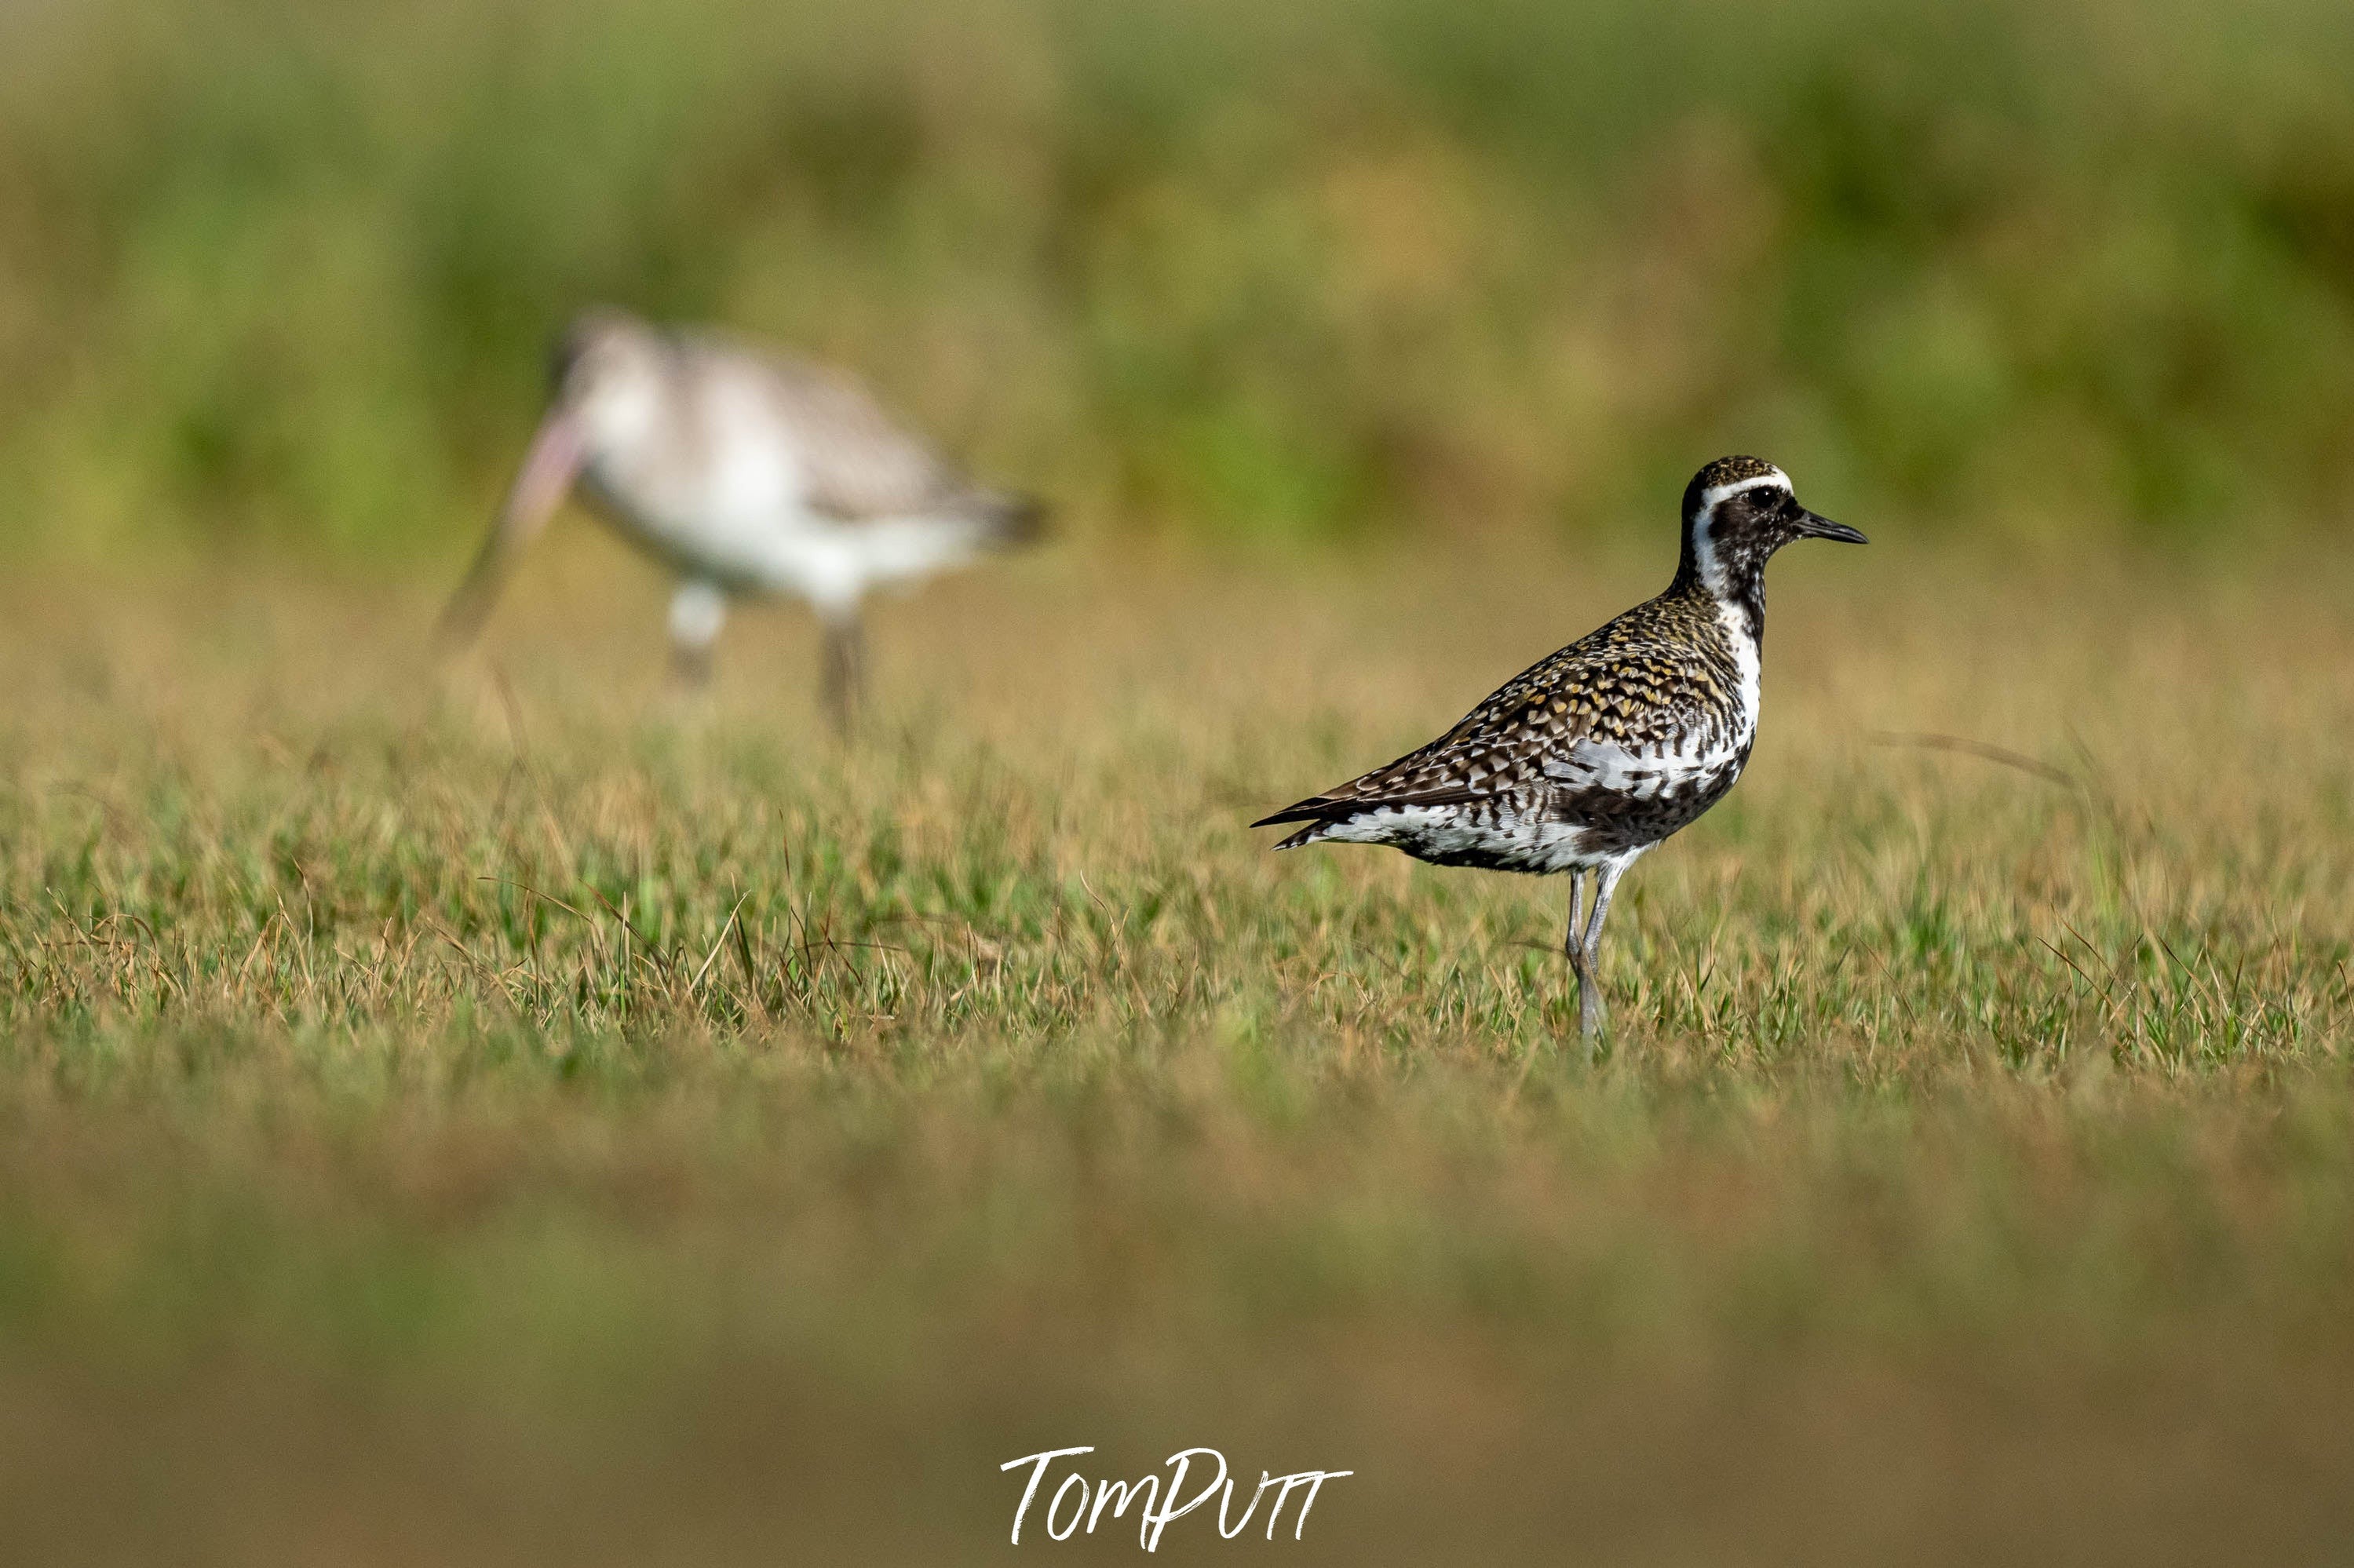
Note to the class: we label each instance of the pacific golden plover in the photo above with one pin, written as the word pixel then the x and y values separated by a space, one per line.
pixel 744 471
pixel 1589 757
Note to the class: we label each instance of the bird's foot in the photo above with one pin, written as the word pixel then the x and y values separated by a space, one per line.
pixel 845 686
pixel 690 673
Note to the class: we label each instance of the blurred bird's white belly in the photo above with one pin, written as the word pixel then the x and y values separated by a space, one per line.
pixel 833 564
pixel 756 534
pixel 701 524
pixel 714 492
pixel 727 500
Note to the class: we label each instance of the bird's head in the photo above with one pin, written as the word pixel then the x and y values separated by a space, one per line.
pixel 606 370
pixel 607 375
pixel 1738 511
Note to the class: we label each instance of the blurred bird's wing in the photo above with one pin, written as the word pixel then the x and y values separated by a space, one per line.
pixel 857 463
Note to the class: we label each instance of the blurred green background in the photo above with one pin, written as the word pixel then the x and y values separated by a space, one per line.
pixel 280 276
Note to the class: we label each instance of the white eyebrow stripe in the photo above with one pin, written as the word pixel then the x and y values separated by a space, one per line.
pixel 1716 493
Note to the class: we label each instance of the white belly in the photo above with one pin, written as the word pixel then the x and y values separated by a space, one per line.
pixel 1452 835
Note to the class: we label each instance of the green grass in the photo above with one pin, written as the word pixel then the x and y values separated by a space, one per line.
pixel 496 1116
pixel 284 272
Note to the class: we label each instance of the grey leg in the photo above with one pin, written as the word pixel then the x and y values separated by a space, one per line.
pixel 1590 1007
pixel 697 612
pixel 845 669
pixel 1574 947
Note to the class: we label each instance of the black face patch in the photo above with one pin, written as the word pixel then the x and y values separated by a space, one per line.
pixel 1747 526
pixel 1723 471
pixel 1759 507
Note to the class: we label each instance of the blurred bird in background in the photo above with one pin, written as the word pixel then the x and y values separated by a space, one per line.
pixel 748 471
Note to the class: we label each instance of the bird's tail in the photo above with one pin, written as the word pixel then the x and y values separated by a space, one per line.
pixel 1317 812
pixel 1008 520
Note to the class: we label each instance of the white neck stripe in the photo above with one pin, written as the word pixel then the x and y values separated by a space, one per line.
pixel 1712 575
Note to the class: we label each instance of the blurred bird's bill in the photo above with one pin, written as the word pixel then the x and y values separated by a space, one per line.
pixel 548 471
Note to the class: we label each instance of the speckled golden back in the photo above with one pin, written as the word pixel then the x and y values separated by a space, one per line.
pixel 1661 679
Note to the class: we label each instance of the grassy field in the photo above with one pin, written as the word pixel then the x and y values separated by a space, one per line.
pixel 498 1115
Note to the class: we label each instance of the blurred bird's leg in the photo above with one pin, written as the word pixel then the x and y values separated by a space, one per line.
pixel 845 667
pixel 1590 1006
pixel 697 610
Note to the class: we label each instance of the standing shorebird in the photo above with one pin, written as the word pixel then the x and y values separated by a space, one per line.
pixel 1589 757
pixel 747 473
